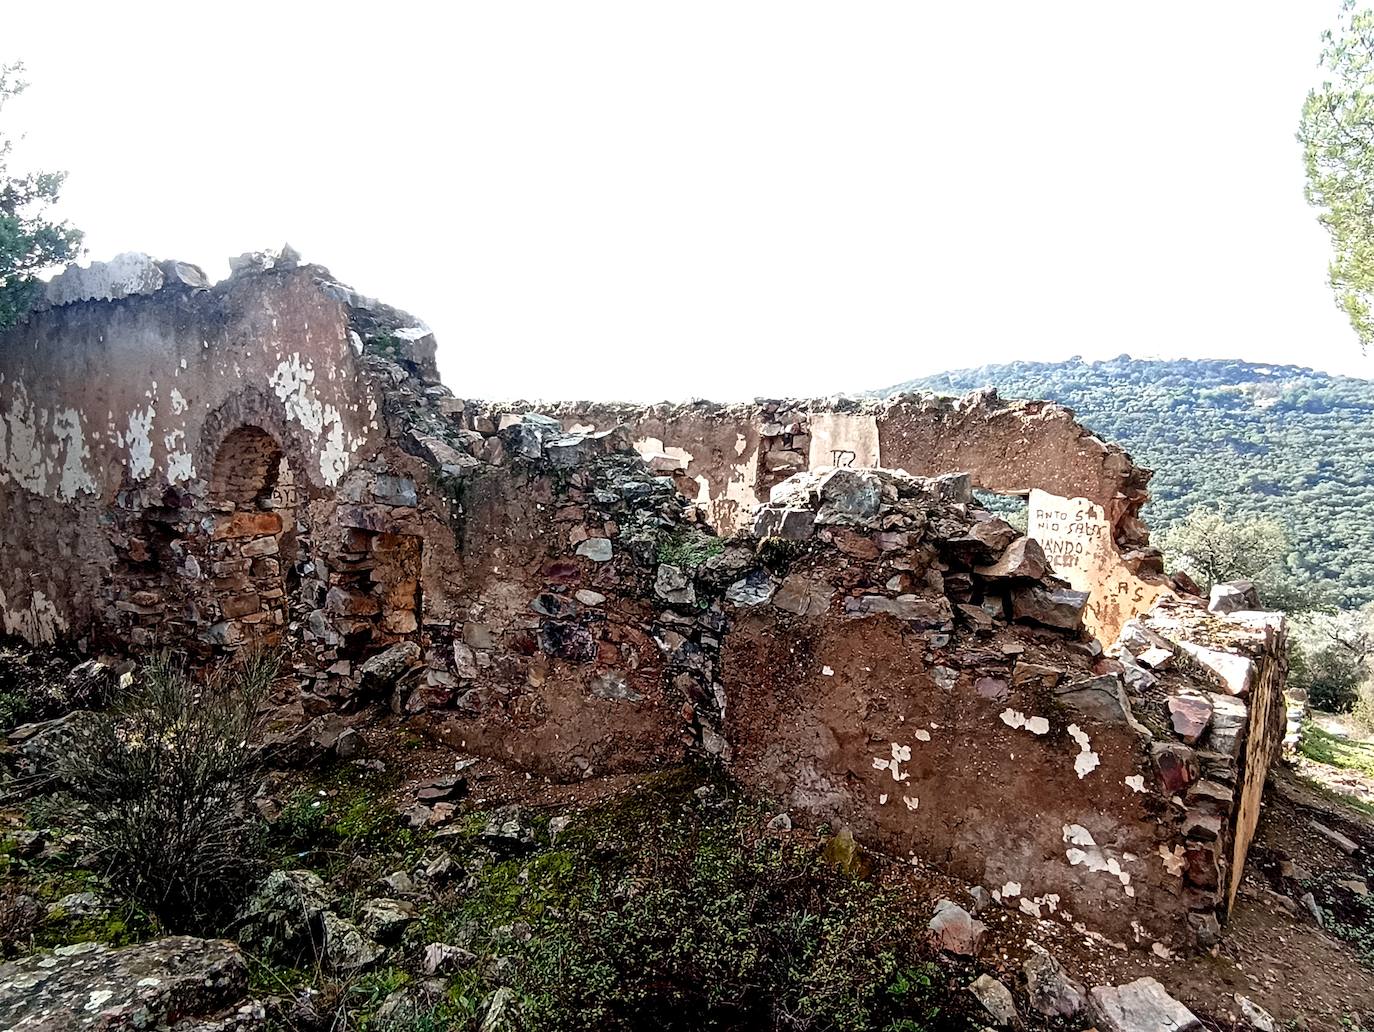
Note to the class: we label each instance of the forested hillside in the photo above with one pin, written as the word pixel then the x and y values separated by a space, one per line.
pixel 1279 441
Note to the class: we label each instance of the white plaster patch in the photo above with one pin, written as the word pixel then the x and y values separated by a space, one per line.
pixel 41 451
pixel 1086 761
pixel 1016 719
pixel 703 490
pixel 38 622
pixel 138 441
pixel 1173 860
pixel 1050 901
pixel 335 455
pixel 1083 851
pixel 911 802
pixel 1136 783
pixel 179 464
pixel 23 461
pixel 1011 888
pixel 293 381
pixel 66 426
pixel 178 399
pixel 900 754
pixel 180 468
pixel 98 999
pixel 827 672
pixel 922 735
pixel 659 457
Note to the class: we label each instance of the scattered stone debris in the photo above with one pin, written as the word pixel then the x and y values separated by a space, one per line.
pixel 1052 993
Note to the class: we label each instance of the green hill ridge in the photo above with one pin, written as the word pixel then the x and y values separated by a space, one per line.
pixel 1282 441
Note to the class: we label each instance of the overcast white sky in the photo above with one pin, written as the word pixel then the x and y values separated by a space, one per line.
pixel 647 200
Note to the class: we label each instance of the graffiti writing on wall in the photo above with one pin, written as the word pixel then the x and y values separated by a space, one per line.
pixel 1077 538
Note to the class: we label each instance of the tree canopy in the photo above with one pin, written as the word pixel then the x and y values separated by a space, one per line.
pixel 1337 134
pixel 1331 656
pixel 1213 547
pixel 30 240
pixel 1250 440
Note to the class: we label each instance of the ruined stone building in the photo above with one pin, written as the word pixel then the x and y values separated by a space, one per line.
pixel 810 593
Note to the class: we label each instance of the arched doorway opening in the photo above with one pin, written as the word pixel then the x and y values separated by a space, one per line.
pixel 252 538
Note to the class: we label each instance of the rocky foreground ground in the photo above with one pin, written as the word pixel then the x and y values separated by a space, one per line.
pixel 404 886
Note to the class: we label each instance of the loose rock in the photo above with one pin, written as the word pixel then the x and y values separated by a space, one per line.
pixel 148 986
pixel 954 930
pixel 996 1000
pixel 441 958
pixel 1139 1006
pixel 1051 991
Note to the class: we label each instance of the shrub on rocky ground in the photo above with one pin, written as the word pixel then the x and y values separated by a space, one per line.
pixel 675 908
pixel 166 776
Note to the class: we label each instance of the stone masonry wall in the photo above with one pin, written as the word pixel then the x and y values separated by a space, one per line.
pixel 912 669
pixel 273 458
pixel 112 414
pixel 728 458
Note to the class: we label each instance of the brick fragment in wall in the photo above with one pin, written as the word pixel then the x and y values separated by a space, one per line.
pixel 260 546
pixel 247 525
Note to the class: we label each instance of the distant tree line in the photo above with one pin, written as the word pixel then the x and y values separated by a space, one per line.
pixel 1262 473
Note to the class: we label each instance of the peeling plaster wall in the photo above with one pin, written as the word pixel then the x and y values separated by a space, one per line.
pixel 883 654
pixel 862 724
pixel 1114 793
pixel 101 398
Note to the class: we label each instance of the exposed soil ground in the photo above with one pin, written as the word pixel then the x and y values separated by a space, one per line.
pixel 1273 951
pixel 1308 975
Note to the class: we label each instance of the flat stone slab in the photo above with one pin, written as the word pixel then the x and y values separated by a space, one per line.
pixel 1140 1006
pixel 89 986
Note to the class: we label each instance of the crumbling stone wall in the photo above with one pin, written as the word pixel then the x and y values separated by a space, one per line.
pixel 735 453
pixel 274 457
pixel 729 457
pixel 114 416
pixel 912 669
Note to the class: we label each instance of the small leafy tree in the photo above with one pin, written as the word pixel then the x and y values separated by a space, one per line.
pixel 1337 135
pixel 1332 656
pixel 168 776
pixel 30 241
pixel 1214 547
